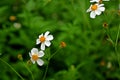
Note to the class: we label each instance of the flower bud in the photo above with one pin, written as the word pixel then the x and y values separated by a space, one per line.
pixel 62 44
pixel 12 18
pixel 29 62
pixel 20 57
pixel 102 63
pixel 105 25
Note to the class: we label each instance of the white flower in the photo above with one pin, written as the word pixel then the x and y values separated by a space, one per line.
pixel 35 56
pixel 44 40
pixel 98 0
pixel 109 65
pixel 96 9
pixel 17 25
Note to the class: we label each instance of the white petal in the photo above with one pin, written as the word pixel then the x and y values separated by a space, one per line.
pixel 42 46
pixel 102 8
pixel 88 10
pixel 49 37
pixel 40 35
pixel 100 5
pixel 32 61
pixel 47 43
pixel 30 54
pixel 94 1
pixel 34 50
pixel 92 14
pixel 46 34
pixel 41 54
pixel 98 12
pixel 40 62
pixel 37 41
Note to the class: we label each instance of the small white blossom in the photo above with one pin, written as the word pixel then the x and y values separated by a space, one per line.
pixel 17 25
pixel 35 56
pixel 109 65
pixel 96 9
pixel 98 0
pixel 44 40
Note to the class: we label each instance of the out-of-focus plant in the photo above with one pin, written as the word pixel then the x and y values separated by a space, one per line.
pixel 90 51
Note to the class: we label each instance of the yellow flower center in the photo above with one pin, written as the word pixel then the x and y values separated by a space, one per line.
pixel 42 39
pixel 35 57
pixel 94 7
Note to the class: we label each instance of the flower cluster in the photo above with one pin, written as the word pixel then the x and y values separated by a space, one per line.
pixel 35 54
pixel 96 8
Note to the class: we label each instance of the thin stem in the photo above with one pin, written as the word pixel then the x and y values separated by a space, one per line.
pixel 105 16
pixel 109 37
pixel 28 70
pixel 12 68
pixel 46 70
pixel 48 63
pixel 81 64
pixel 54 53
pixel 117 38
pixel 116 45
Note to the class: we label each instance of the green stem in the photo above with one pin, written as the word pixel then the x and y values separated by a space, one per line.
pixel 12 69
pixel 54 53
pixel 48 63
pixel 117 39
pixel 28 70
pixel 46 70
pixel 116 45
pixel 109 37
pixel 81 64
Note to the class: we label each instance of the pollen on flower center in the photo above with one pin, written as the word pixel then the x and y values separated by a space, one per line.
pixel 94 7
pixel 42 39
pixel 35 57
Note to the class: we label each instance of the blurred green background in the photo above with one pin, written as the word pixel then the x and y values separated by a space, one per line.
pixel 89 54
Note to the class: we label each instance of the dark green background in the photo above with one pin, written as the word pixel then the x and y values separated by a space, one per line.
pixel 88 52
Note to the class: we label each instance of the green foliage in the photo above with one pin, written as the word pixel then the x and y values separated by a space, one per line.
pixel 89 47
